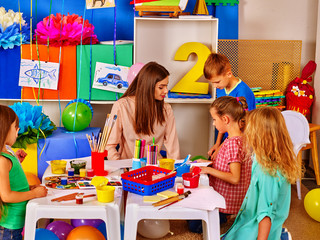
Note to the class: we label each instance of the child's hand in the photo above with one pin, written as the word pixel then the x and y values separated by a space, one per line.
pixel 212 150
pixel 21 155
pixel 40 191
pixel 205 170
pixel 33 186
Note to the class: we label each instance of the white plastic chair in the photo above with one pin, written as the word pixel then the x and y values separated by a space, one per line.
pixel 298 128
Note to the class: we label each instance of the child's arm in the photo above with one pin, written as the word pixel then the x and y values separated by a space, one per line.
pixel 232 177
pixel 264 228
pixel 11 196
pixel 215 148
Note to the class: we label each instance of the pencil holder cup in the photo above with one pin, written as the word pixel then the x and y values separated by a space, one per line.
pixel 58 166
pixel 182 169
pixel 190 181
pixel 136 163
pixel 97 163
pixel 105 194
pixel 166 163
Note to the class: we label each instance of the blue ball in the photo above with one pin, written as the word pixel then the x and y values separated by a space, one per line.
pixel 46 234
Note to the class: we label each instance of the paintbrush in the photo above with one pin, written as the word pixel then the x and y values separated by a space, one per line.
pixel 172 199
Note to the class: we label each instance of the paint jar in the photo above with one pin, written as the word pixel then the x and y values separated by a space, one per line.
pixel 64 181
pixel 79 199
pixel 90 173
pixel 181 169
pixel 105 193
pixel 190 181
pixel 58 166
pixel 70 172
pixel 77 165
pixel 97 162
pixel 82 172
pixel 179 188
pixel 166 163
pixel 136 163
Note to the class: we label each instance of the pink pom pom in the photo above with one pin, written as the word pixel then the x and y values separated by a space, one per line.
pixel 68 34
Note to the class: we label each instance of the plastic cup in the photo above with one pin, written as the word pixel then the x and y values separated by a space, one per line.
pixel 182 169
pixel 58 166
pixel 105 194
pixel 136 163
pixel 190 181
pixel 77 165
pixel 97 162
pixel 166 163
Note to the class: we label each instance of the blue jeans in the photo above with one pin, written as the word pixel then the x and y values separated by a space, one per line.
pixel 6 234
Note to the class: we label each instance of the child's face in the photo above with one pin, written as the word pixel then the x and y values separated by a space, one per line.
pixel 161 89
pixel 12 134
pixel 221 81
pixel 218 121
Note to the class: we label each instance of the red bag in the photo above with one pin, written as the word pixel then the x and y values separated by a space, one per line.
pixel 299 94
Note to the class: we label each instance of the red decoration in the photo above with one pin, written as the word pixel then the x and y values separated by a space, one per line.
pixel 299 94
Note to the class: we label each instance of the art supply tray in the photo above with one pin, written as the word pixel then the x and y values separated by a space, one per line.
pixel 140 181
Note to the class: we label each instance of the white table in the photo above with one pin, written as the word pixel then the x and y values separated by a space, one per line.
pixel 137 210
pixel 90 209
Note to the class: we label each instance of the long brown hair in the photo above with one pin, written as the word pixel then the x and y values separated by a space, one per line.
pixel 148 110
pixel 236 108
pixel 7 117
pixel 267 135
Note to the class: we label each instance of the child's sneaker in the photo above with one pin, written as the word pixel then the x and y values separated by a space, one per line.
pixel 285 235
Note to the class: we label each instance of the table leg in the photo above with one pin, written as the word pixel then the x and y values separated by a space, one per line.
pixel 31 222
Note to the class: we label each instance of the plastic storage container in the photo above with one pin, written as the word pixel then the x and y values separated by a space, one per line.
pixel 140 181
pixel 166 163
pixel 58 166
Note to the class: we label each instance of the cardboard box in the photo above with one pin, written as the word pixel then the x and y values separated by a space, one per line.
pixel 100 53
pixel 67 74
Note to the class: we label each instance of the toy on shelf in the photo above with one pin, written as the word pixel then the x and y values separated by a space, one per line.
pixel 223 2
pixel 188 95
pixel 299 93
pixel 268 98
pixel 173 8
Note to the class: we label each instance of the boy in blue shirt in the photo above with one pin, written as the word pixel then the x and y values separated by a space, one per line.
pixel 217 70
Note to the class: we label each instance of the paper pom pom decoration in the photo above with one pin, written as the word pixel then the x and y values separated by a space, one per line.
pixel 68 34
pixel 10 29
pixel 33 124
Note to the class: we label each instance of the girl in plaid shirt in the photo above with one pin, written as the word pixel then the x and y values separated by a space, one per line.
pixel 231 170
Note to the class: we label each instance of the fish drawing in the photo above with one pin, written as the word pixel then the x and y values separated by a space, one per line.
pixel 114 68
pixel 36 73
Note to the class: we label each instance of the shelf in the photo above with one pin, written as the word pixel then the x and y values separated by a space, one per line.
pixel 189 100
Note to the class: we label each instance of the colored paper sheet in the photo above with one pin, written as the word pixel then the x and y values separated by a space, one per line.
pixel 100 53
pixel 35 73
pixel 67 73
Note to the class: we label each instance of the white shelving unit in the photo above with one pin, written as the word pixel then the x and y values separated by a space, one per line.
pixel 158 39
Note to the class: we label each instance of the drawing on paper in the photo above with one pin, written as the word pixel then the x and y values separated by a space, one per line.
pixel 99 4
pixel 33 72
pixel 110 77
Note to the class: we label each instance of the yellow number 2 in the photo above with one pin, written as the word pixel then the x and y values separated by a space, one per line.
pixel 189 84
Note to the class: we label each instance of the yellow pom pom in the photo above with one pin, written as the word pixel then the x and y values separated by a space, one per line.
pixel 296 93
pixel 304 82
pixel 311 97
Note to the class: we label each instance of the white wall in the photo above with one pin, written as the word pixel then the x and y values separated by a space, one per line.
pixel 280 20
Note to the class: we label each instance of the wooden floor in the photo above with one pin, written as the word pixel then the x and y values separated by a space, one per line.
pixel 299 224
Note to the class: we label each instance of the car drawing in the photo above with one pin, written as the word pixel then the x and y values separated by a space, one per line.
pixel 113 79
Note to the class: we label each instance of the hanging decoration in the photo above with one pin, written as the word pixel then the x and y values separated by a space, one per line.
pixel 65 31
pixel 10 34
pixel 300 94
pixel 33 124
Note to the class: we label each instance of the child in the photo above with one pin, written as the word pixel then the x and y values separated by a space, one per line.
pixel 274 167
pixel 217 70
pixel 231 171
pixel 14 188
pixel 143 114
